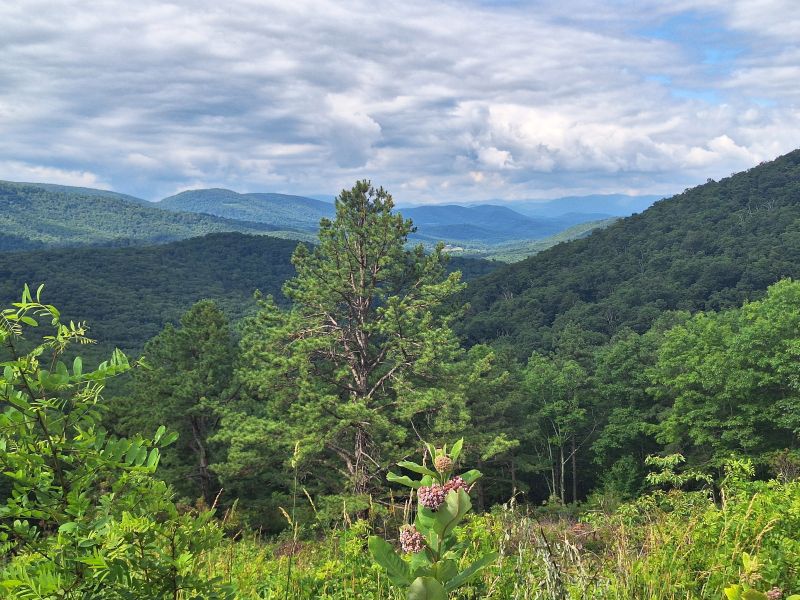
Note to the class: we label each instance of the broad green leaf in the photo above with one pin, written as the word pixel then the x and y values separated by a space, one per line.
pixel 446 570
pixel 130 455
pixel 426 588
pixel 385 556
pixel 67 527
pixel 403 480
pixel 431 450
pixel 169 438
pixel 152 459
pixel 471 476
pixel 456 451
pixel 451 512
pixel 412 466
pixel 77 367
pixel 426 520
pixel 420 564
pixel 159 433
pixel 471 570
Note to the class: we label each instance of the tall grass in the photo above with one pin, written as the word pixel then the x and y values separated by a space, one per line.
pixel 665 546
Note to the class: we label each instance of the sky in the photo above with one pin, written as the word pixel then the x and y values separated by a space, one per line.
pixel 435 101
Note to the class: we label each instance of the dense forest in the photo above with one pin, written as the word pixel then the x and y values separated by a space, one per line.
pixel 129 294
pixel 711 247
pixel 628 401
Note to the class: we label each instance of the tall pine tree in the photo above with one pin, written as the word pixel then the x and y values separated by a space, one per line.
pixel 364 355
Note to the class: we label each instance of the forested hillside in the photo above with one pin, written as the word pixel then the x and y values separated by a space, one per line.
pixel 128 294
pixel 711 247
pixel 36 216
pixel 282 211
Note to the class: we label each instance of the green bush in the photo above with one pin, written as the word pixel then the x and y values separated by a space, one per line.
pixel 83 515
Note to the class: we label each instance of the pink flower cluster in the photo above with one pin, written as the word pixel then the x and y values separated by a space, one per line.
pixel 432 496
pixel 411 540
pixel 775 593
pixel 456 483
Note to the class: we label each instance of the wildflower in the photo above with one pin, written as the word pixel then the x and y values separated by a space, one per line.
pixel 443 463
pixel 775 593
pixel 411 540
pixel 431 496
pixel 455 484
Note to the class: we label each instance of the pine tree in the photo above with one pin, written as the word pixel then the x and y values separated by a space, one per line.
pixel 366 350
pixel 189 380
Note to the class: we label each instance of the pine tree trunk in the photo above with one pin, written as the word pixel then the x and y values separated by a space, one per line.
pixel 574 473
pixel 360 477
pixel 562 464
pixel 203 470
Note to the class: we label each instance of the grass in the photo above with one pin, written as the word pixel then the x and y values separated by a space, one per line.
pixel 664 546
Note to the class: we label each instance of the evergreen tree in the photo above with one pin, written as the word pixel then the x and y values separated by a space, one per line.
pixel 189 379
pixel 364 354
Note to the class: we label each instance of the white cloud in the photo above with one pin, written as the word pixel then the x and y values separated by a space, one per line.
pixel 17 171
pixel 442 100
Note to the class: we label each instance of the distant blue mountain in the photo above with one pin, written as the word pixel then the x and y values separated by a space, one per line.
pixel 484 223
pixel 599 205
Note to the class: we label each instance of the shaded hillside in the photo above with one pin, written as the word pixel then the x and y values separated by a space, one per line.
pixel 282 211
pixel 128 294
pixel 35 215
pixel 710 247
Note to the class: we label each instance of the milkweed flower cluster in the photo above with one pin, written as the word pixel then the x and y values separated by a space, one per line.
pixel 775 594
pixel 431 496
pixel 456 483
pixel 411 540
pixel 443 463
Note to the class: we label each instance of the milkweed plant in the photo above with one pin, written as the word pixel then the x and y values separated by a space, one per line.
pixel 431 552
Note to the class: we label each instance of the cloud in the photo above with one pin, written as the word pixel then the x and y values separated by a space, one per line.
pixel 442 101
pixel 17 171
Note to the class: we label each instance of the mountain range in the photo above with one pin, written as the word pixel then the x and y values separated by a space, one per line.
pixel 48 215
pixel 710 247
pixel 601 205
pixel 36 216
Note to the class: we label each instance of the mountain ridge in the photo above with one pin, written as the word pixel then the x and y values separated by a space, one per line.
pixel 711 247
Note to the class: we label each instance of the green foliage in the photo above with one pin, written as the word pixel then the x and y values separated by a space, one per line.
pixel 664 546
pixel 730 378
pixel 432 572
pixel 188 381
pixel 709 248
pixel 130 294
pixel 84 515
pixel 364 352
